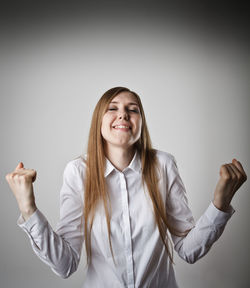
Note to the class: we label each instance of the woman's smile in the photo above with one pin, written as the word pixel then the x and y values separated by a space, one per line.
pixel 121 124
pixel 122 127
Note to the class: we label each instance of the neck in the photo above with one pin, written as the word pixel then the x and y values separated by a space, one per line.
pixel 120 157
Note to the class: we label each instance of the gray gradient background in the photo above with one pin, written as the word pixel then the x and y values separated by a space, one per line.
pixel 189 64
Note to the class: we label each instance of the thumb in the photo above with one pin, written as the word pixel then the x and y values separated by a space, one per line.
pixel 20 165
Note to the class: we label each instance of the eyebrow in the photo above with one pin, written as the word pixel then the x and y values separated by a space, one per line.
pixel 130 103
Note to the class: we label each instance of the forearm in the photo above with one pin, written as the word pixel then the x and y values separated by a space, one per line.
pixel 50 247
pixel 207 230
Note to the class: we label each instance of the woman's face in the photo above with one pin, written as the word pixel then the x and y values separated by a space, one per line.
pixel 121 123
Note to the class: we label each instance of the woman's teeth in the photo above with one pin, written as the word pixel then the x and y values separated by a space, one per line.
pixel 122 126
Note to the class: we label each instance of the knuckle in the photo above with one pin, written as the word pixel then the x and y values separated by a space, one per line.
pixel 25 177
pixel 226 176
pixel 15 175
pixel 234 178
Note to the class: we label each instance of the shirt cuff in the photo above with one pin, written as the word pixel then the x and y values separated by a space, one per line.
pixel 217 216
pixel 34 223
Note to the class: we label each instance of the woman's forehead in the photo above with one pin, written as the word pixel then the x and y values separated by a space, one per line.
pixel 125 96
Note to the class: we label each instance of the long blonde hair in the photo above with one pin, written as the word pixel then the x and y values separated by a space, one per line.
pixel 95 185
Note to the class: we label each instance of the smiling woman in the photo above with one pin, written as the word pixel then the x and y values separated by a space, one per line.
pixel 124 200
pixel 122 115
pixel 121 125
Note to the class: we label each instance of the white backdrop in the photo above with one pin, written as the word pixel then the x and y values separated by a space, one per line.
pixel 193 85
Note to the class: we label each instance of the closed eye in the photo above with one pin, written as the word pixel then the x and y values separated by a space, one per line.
pixel 129 110
pixel 133 108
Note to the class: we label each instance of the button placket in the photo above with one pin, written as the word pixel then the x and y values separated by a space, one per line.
pixel 127 226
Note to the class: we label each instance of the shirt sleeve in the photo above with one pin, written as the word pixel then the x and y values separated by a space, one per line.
pixel 201 235
pixel 60 249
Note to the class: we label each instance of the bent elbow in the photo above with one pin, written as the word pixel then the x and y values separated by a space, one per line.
pixel 65 276
pixel 66 272
pixel 189 258
pixel 62 274
pixel 193 257
pixel 191 254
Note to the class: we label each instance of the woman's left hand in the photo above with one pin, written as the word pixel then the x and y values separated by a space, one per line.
pixel 232 176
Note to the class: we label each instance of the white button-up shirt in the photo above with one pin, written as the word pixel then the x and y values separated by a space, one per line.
pixel 140 256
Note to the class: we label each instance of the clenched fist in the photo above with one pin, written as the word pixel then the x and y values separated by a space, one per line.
pixel 232 176
pixel 20 182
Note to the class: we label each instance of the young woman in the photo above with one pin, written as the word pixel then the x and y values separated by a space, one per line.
pixel 124 200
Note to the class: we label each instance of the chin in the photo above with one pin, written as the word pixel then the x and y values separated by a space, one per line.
pixel 125 145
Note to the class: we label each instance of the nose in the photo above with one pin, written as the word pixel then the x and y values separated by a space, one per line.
pixel 123 115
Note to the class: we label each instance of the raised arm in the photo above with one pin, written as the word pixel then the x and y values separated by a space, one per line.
pixel 211 224
pixel 60 249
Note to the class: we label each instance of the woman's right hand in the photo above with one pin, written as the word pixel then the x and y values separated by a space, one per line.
pixel 20 182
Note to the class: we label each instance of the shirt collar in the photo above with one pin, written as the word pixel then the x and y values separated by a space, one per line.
pixel 134 165
pixel 108 168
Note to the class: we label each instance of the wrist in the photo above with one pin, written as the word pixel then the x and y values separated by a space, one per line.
pixel 27 210
pixel 221 205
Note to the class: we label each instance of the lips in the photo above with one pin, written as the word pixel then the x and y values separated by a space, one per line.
pixel 121 127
